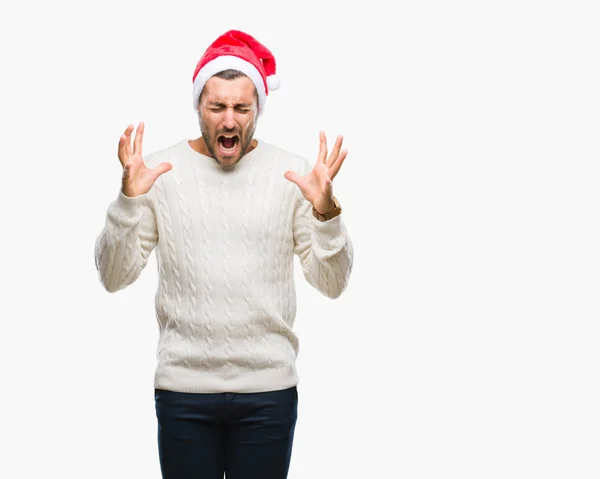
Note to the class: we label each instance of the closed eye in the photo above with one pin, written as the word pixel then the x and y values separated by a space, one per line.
pixel 242 108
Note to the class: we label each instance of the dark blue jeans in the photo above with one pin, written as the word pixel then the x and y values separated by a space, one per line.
pixel 245 436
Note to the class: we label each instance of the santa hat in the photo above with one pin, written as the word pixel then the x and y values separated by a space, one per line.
pixel 239 51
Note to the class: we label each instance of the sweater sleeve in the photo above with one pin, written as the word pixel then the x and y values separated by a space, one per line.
pixel 124 245
pixel 324 248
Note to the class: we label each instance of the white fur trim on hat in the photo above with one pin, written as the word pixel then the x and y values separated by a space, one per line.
pixel 226 62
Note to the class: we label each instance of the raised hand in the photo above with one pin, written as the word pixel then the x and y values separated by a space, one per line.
pixel 137 178
pixel 316 186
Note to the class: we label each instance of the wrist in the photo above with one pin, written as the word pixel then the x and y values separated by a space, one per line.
pixel 327 209
pixel 332 213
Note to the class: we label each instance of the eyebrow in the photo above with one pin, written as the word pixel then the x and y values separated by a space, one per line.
pixel 221 104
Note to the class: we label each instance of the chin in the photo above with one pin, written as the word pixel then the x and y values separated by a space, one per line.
pixel 228 162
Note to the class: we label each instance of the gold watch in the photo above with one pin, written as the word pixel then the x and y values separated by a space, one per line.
pixel 330 214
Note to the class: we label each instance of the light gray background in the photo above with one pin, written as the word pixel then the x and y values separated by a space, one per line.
pixel 466 345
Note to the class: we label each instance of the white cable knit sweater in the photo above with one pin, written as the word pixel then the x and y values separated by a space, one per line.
pixel 226 240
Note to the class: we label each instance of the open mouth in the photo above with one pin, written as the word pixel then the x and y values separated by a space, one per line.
pixel 228 143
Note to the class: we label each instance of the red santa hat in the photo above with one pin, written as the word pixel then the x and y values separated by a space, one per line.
pixel 239 51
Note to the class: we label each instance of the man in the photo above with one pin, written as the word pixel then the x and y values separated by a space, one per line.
pixel 226 213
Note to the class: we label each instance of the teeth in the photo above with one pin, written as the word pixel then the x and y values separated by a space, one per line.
pixel 229 137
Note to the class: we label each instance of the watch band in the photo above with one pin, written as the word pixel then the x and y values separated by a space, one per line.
pixel 330 214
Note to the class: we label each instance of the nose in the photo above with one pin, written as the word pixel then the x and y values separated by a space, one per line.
pixel 228 118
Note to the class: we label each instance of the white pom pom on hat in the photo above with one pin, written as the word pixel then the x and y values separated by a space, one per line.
pixel 239 51
pixel 273 82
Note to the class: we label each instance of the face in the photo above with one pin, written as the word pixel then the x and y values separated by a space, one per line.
pixel 227 113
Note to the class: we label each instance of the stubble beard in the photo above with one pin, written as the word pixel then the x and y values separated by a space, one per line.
pixel 245 136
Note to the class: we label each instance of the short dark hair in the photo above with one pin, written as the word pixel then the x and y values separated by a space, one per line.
pixel 230 74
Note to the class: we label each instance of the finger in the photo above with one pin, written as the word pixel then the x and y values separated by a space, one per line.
pixel 127 143
pixel 122 150
pixel 333 169
pixel 162 168
pixel 335 151
pixel 137 142
pixel 128 131
pixel 322 147
pixel 292 176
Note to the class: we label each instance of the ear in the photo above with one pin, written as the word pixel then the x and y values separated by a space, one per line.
pixel 200 99
pixel 255 104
